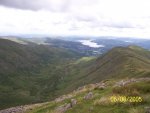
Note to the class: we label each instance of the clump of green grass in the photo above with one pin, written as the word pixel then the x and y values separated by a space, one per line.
pixel 126 90
pixel 102 101
pixel 134 89
pixel 135 110
pixel 84 59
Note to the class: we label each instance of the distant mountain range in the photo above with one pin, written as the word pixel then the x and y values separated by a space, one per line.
pixel 103 44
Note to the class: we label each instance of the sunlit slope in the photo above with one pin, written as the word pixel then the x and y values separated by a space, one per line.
pixel 120 62
pixel 98 98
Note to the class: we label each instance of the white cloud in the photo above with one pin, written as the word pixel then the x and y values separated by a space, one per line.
pixel 76 17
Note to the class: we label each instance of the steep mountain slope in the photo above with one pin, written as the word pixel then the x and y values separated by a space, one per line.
pixel 120 62
pixel 36 73
pixel 28 73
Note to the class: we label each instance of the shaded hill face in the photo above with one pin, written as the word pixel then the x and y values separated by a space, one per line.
pixel 29 73
pixel 36 73
pixel 16 56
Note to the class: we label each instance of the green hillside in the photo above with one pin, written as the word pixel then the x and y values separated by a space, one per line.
pixel 104 97
pixel 37 73
pixel 28 73
pixel 120 62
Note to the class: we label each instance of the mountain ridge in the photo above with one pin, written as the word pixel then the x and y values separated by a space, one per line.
pixel 61 71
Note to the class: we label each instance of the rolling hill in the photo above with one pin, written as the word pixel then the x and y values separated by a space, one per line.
pixel 27 71
pixel 124 74
pixel 120 62
pixel 36 73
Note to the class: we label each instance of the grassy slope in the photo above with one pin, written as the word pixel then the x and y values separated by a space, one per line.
pixel 101 103
pixel 119 62
pixel 29 73
pixel 39 73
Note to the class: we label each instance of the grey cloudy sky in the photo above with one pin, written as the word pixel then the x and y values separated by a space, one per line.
pixel 76 17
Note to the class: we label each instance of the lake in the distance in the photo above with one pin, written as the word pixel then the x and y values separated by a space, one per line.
pixel 90 43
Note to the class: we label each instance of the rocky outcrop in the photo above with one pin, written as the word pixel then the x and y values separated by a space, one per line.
pixel 61 109
pixel 147 109
pixel 21 109
pixel 65 107
pixel 88 96
pixel 125 82
pixel 128 81
pixel 101 86
pixel 73 102
pixel 61 98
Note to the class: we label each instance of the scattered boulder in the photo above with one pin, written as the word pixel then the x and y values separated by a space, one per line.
pixel 81 88
pixel 65 107
pixel 18 109
pixel 61 98
pixel 21 109
pixel 88 96
pixel 101 87
pixel 147 109
pixel 73 102
pixel 68 106
pixel 60 109
pixel 128 81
